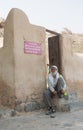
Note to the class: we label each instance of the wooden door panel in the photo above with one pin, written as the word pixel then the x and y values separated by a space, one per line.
pixel 54 51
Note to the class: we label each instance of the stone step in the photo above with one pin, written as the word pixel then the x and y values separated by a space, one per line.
pixel 76 106
pixel 71 104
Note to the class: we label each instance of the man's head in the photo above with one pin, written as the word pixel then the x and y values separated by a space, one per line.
pixel 54 70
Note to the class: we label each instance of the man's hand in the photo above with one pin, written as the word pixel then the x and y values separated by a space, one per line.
pixel 54 92
pixel 62 91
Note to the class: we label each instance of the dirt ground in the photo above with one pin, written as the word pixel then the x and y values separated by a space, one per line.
pixel 37 120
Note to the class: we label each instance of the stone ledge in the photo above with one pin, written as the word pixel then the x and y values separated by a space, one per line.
pixel 29 106
pixel 71 104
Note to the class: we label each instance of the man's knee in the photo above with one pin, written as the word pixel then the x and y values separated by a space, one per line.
pixel 60 81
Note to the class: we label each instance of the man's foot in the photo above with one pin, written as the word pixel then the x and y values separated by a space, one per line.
pixel 50 111
pixel 52 115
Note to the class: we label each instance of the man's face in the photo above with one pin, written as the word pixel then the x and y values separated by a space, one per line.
pixel 53 70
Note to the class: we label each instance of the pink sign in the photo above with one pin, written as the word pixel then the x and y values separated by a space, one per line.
pixel 32 48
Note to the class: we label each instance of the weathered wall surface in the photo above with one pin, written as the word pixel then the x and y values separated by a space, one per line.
pixel 7 88
pixel 29 68
pixel 72 62
pixel 22 74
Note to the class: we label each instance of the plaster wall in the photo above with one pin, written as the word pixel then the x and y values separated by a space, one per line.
pixel 72 62
pixel 7 88
pixel 30 69
pixel 22 74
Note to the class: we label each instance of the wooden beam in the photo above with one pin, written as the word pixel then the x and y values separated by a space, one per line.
pixel 53 32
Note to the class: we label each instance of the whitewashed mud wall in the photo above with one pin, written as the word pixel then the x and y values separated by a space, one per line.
pixel 72 62
pixel 23 67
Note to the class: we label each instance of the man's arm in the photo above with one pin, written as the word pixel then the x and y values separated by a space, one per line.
pixel 50 86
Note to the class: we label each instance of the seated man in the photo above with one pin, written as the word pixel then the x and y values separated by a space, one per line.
pixel 56 86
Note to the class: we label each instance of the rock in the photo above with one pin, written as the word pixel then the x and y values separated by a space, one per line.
pixel 13 113
pixel 20 107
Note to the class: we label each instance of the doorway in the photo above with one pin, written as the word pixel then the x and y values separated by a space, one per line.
pixel 54 51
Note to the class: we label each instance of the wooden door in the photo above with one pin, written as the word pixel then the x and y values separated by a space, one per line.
pixel 54 51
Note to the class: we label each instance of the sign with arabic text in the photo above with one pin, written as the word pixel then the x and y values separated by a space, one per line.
pixel 32 48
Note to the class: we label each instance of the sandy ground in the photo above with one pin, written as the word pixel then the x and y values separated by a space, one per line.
pixel 37 120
